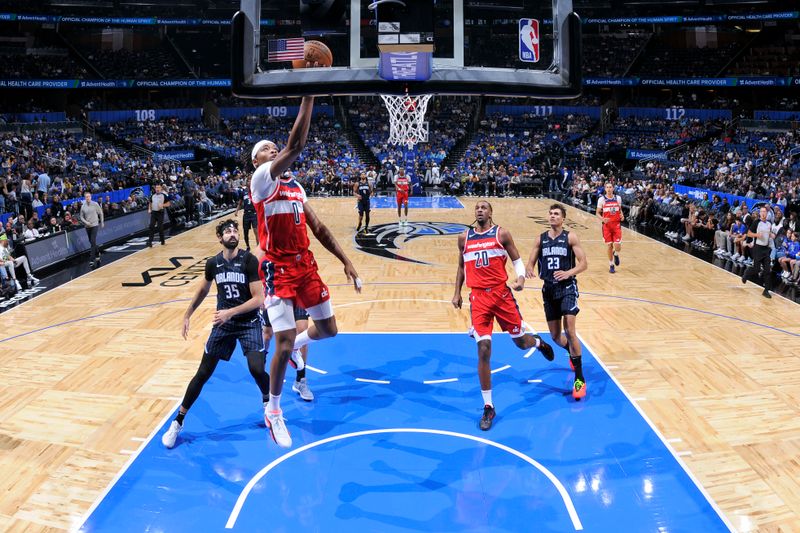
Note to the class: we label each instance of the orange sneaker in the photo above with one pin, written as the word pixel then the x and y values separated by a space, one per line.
pixel 578 389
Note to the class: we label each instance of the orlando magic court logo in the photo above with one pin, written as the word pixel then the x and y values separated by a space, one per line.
pixel 385 239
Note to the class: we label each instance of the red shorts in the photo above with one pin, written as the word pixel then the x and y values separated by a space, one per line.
pixel 498 303
pixel 402 198
pixel 295 278
pixel 612 232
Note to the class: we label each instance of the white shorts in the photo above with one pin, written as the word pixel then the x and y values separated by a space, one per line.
pixel 281 313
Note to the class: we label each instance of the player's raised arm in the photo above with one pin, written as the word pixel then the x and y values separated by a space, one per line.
pixel 457 300
pixel 530 268
pixel 326 239
pixel 297 138
pixel 511 249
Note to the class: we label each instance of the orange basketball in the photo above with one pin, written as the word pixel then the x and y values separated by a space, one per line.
pixel 315 52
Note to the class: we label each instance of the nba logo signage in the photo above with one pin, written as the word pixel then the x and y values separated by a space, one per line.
pixel 529 40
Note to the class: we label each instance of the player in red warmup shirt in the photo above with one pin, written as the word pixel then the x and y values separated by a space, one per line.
pixel 402 187
pixel 482 254
pixel 609 206
pixel 288 267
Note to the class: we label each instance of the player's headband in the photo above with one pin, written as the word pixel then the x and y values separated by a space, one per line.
pixel 225 224
pixel 257 147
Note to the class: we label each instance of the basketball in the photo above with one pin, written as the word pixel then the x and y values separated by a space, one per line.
pixel 315 52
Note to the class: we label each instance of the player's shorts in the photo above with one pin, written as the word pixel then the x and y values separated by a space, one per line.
pixel 498 303
pixel 299 314
pixel 222 340
pixel 557 305
pixel 363 207
pixel 250 222
pixel 612 232
pixel 296 279
pixel 402 198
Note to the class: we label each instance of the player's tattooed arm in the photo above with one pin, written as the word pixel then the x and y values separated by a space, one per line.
pixel 457 300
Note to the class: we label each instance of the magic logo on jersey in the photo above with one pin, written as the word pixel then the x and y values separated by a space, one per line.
pixel 386 239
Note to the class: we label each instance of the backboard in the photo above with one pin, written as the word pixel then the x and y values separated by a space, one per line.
pixel 487 47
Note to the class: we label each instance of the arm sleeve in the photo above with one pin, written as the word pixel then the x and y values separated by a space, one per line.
pixel 754 225
pixel 251 268
pixel 210 269
pixel 601 201
pixel 263 184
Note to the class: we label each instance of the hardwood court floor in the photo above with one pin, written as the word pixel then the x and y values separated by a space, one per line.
pixel 89 369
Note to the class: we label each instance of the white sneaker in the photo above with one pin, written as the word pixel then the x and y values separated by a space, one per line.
pixel 735 257
pixel 687 238
pixel 19 287
pixel 301 388
pixel 33 281
pixel 296 360
pixel 277 428
pixel 171 435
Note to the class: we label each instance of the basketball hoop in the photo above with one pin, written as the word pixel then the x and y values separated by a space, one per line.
pixel 407 118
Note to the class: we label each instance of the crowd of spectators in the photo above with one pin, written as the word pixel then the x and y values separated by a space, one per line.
pixel 778 60
pixel 651 133
pixel 154 63
pixel 50 65
pixel 663 60
pixel 611 55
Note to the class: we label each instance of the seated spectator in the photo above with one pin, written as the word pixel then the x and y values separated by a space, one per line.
pixel 31 233
pixel 9 263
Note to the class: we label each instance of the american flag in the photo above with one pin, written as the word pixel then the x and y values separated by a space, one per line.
pixel 285 49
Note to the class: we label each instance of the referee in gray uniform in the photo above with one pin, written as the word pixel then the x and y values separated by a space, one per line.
pixel 91 216
pixel 158 202
pixel 761 231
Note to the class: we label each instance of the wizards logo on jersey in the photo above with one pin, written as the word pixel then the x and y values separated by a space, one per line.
pixel 529 40
pixel 386 238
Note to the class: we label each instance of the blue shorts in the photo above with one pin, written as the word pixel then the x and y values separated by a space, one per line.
pixel 560 301
pixel 222 340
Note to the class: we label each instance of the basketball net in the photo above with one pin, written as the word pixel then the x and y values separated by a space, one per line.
pixel 407 118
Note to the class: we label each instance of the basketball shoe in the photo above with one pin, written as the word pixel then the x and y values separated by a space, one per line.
pixel 487 418
pixel 578 389
pixel 301 388
pixel 277 428
pixel 171 435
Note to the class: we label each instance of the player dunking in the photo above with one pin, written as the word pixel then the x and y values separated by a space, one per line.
pixel 290 273
pixel 239 295
pixel 609 206
pixel 363 191
pixel 560 258
pixel 482 254
pixel 402 186
pixel 249 219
